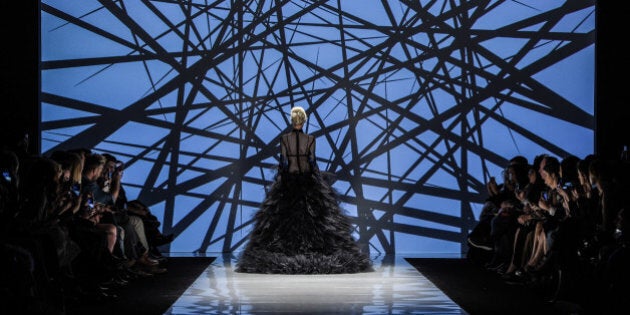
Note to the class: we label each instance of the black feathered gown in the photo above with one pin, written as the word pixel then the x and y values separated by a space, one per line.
pixel 300 228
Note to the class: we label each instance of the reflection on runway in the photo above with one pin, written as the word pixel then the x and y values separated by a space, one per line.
pixel 395 287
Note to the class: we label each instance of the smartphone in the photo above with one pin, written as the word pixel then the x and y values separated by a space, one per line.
pixel 90 202
pixel 119 165
pixel 7 175
pixel 545 196
pixel 76 190
pixel 567 185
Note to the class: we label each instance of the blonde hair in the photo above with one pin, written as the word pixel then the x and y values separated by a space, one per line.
pixel 298 115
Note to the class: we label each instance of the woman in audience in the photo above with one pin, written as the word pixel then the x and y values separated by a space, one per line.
pixel 504 224
pixel 70 183
pixel 481 237
pixel 586 210
pixel 554 201
pixel 37 222
pixel 530 217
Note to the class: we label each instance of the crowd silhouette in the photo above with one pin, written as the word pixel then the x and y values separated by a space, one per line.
pixel 70 235
pixel 68 232
pixel 559 227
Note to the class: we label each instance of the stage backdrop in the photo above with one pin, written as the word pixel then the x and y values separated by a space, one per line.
pixel 414 104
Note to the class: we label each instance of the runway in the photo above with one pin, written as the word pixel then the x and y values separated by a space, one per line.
pixel 395 287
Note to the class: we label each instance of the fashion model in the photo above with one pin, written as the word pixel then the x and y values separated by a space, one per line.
pixel 300 227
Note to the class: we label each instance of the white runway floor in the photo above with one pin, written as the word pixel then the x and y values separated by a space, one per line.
pixel 395 287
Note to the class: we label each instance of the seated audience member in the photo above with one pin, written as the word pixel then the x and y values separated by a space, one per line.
pixel 37 225
pixel 105 184
pixel 70 183
pixel 154 236
pixel 586 212
pixel 98 266
pixel 615 272
pixel 112 168
pixel 611 195
pixel 555 205
pixel 527 221
pixel 9 165
pixel 481 237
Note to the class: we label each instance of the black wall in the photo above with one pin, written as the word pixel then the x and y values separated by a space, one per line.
pixel 19 57
pixel 20 82
pixel 612 83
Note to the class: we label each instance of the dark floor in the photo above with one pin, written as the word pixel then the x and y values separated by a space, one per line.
pixel 479 291
pixel 152 295
pixel 483 292
pixel 475 289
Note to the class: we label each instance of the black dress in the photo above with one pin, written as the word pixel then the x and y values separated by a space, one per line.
pixel 300 228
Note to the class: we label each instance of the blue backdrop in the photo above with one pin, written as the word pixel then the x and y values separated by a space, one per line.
pixel 414 104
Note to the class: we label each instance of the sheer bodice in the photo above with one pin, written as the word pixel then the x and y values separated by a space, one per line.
pixel 298 152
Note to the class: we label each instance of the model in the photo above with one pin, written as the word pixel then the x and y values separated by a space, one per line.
pixel 300 227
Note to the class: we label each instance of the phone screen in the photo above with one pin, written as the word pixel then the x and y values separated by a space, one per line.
pixel 6 175
pixel 90 202
pixel 545 196
pixel 76 190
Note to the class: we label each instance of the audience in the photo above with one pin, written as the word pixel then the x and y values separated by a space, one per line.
pixel 569 241
pixel 68 232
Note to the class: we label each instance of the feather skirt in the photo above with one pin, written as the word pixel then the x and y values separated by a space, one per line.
pixel 301 229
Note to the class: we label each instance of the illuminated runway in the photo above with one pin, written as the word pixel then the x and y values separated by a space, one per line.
pixel 395 287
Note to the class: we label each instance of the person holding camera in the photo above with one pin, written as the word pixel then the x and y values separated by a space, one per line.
pixel 113 197
pixel 92 213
